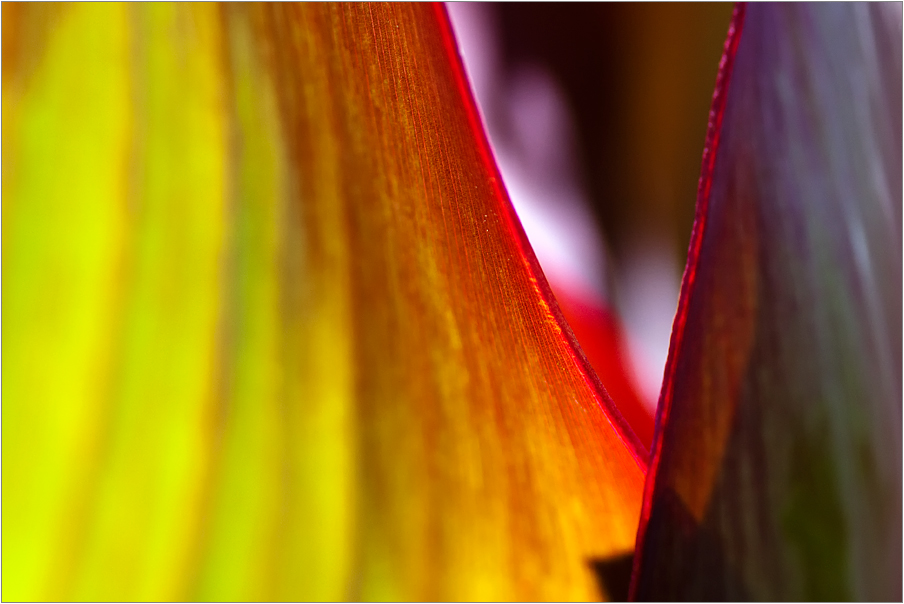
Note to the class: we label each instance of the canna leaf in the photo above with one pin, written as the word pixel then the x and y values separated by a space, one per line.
pixel 273 330
pixel 776 469
pixel 602 340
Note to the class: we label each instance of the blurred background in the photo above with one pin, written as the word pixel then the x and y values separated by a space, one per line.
pixel 597 114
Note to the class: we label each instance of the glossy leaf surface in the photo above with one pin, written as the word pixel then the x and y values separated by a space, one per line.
pixel 776 471
pixel 272 328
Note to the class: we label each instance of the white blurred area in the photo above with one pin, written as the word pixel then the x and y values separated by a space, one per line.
pixel 530 132
pixel 649 287
pixel 532 135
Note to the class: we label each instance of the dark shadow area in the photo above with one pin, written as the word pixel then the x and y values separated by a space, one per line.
pixel 639 80
pixel 614 575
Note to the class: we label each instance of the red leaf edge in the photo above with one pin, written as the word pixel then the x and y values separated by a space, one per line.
pixel 710 149
pixel 529 259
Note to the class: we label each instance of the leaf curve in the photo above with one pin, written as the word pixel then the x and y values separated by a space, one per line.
pixel 776 468
pixel 273 330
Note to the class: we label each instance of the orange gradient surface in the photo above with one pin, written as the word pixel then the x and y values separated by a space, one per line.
pixel 273 329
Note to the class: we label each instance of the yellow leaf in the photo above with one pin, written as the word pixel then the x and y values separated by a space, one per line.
pixel 273 329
